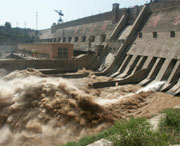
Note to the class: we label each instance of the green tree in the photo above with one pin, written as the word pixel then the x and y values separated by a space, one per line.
pixel 7 25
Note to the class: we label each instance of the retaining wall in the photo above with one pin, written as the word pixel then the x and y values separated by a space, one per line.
pixel 59 65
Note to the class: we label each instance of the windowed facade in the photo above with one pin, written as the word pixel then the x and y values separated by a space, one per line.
pixel 50 50
pixel 63 53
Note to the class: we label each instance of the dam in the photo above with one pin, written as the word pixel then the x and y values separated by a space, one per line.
pixel 137 45
pixel 79 77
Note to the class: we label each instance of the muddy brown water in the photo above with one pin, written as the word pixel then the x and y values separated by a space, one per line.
pixel 40 110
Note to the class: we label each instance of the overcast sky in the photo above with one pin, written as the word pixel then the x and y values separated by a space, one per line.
pixel 22 13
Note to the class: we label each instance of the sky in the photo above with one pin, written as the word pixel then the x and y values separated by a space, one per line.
pixel 22 13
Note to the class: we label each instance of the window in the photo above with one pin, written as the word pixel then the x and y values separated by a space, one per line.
pixel 83 38
pixel 102 38
pixel 64 39
pixel 92 38
pixel 59 39
pixel 69 39
pixel 155 34
pixel 172 34
pixel 140 34
pixel 54 40
pixel 63 53
pixel 76 39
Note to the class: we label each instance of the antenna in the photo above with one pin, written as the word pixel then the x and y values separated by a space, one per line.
pixel 36 25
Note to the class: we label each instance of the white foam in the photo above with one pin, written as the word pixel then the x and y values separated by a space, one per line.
pixel 102 101
pixel 152 87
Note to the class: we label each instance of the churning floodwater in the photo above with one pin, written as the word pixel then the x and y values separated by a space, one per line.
pixel 39 110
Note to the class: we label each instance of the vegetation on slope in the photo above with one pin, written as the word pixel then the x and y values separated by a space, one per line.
pixel 8 32
pixel 138 132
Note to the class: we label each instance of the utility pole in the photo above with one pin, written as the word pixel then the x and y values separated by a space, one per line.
pixel 36 25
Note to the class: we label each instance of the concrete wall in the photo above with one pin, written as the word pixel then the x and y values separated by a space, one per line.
pixel 62 65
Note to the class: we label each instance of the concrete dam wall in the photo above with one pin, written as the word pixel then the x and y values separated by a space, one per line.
pixel 152 53
pixel 134 45
pixel 86 33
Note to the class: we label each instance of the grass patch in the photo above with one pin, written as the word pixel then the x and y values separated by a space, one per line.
pixel 171 125
pixel 137 132
pixel 172 120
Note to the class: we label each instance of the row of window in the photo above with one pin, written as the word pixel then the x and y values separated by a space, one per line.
pixel 76 39
pixel 155 34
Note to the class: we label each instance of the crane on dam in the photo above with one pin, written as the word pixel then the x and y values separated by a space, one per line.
pixel 60 15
